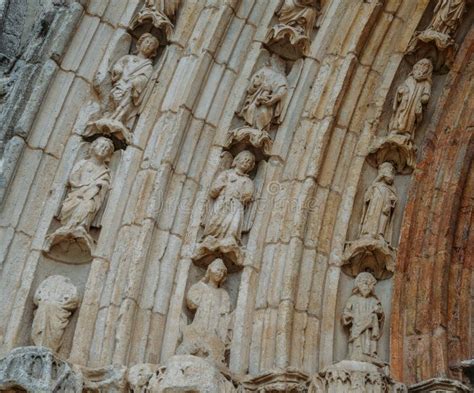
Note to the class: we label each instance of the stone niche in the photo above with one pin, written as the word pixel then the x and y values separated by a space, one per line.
pixel 77 274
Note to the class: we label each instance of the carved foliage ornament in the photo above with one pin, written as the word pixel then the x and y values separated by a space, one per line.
pixel 159 13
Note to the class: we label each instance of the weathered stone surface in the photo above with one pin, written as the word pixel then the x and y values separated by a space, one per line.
pixel 246 195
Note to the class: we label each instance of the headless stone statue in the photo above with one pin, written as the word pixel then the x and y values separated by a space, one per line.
pixel 55 298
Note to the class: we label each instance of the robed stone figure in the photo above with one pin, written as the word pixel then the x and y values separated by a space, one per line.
pixel 411 97
pixel 364 316
pixel 447 15
pixel 88 184
pixel 232 190
pixel 379 204
pixel 207 335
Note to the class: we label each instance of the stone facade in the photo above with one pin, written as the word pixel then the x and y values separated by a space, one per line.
pixel 236 196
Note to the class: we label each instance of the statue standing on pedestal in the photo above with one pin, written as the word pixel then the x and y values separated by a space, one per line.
pixel 364 316
pixel 88 184
pixel 263 102
pixel 130 76
pixel 207 335
pixel 379 203
pixel 412 95
pixel 232 190
pixel 447 15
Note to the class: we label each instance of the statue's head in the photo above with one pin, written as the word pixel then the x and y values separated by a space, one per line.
pixel 245 161
pixel 422 70
pixel 364 284
pixel 216 272
pixel 386 172
pixel 148 45
pixel 102 148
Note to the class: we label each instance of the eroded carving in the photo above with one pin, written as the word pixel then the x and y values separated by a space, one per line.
pixel 232 191
pixel 263 106
pixel 408 106
pixel 440 32
pixel 88 185
pixel 39 370
pixel 159 13
pixel 364 316
pixel 56 298
pixel 36 369
pixel 187 373
pixel 129 75
pixel 208 334
pixel 291 36
pixel 140 376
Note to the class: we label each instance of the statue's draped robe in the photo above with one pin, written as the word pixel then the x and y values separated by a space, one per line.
pixel 365 317
pixel 89 184
pixel 212 307
pixel 50 321
pixel 380 199
pixel 299 13
pixel 232 192
pixel 408 105
pixel 130 76
pixel 265 85
pixel 447 15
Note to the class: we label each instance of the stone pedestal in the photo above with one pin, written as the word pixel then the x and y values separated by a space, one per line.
pixel 187 373
pixel 356 377
pixel 39 370
pixel 439 385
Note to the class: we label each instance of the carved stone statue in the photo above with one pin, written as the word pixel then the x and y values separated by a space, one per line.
pixel 447 15
pixel 263 106
pixel 232 190
pixel 207 335
pixel 130 76
pixel 412 95
pixel 263 102
pixel 364 316
pixel 296 20
pixel 56 298
pixel 88 184
pixel 379 203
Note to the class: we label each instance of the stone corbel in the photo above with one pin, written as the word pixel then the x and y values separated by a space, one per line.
pixel 369 254
pixel 289 381
pixel 439 385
